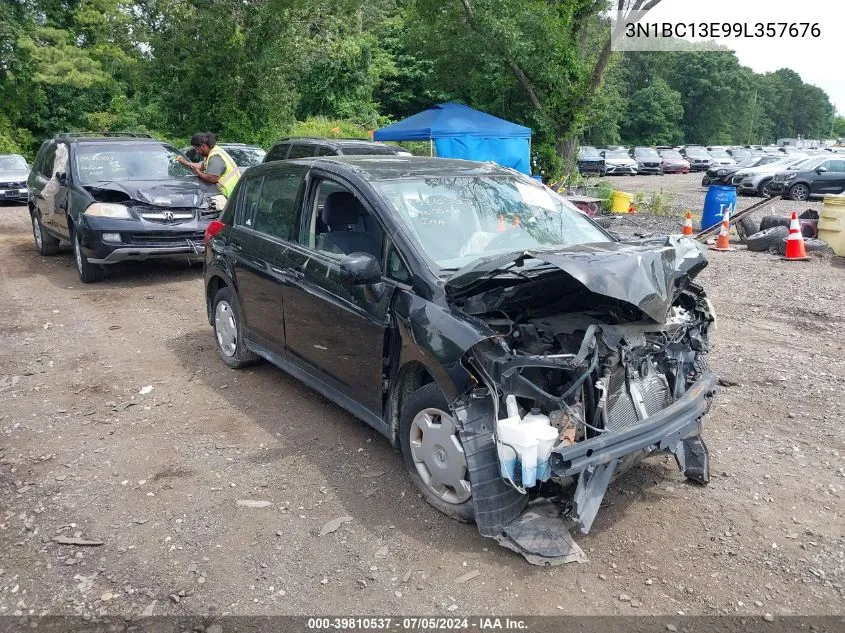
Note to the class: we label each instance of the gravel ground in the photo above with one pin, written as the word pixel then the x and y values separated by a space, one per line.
pixel 206 489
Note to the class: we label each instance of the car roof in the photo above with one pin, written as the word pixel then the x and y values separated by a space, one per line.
pixel 333 142
pixel 385 167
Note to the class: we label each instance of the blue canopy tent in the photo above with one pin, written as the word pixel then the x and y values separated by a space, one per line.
pixel 458 131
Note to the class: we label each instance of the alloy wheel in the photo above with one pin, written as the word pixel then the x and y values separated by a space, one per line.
pixel 438 455
pixel 799 193
pixel 77 253
pixel 226 328
pixel 36 231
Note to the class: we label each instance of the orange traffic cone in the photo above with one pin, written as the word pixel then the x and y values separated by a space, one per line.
pixel 795 250
pixel 632 208
pixel 723 242
pixel 501 226
pixel 687 225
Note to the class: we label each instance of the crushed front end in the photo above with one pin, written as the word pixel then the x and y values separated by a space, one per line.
pixel 610 344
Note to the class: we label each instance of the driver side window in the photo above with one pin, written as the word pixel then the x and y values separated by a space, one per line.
pixel 339 224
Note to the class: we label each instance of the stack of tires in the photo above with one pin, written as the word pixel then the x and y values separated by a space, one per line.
pixel 772 234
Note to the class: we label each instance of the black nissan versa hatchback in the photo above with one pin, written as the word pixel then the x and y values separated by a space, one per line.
pixel 116 198
pixel 421 293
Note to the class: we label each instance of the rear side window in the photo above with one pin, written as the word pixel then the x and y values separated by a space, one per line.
pixel 324 150
pixel 301 151
pixel 277 152
pixel 277 205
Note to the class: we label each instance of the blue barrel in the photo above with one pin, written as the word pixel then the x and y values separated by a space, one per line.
pixel 719 198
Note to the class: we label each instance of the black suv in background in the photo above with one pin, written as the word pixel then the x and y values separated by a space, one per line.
pixel 817 176
pixel 116 197
pixel 306 147
pixel 648 160
pixel 590 161
pixel 245 156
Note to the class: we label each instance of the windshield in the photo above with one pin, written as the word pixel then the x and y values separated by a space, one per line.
pixel 12 162
pixel 807 163
pixel 697 153
pixel 616 153
pixel 457 220
pixel 719 153
pixel 246 156
pixel 645 151
pixel 588 152
pixel 671 153
pixel 109 162
pixel 749 162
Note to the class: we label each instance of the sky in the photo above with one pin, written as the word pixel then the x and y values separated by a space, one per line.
pixel 819 61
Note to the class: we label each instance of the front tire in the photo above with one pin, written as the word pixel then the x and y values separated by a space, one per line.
pixel 799 192
pixel 89 273
pixel 44 242
pixel 228 331
pixel 433 454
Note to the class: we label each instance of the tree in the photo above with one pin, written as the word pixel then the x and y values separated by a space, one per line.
pixel 654 115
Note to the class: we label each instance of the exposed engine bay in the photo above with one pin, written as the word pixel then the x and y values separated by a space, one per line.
pixel 614 381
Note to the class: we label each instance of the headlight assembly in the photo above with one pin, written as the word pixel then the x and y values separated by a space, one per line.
pixel 108 210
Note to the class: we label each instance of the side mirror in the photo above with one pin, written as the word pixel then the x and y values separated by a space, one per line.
pixel 61 177
pixel 359 269
pixel 602 154
pixel 821 170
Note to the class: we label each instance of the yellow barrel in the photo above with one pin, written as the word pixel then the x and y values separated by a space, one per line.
pixel 832 223
pixel 620 202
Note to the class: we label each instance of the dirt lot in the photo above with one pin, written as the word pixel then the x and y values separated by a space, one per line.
pixel 157 477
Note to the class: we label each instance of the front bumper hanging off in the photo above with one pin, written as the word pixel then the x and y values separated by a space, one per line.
pixel 540 530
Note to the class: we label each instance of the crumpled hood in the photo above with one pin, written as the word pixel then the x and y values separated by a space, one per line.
pixel 162 193
pixel 642 273
pixel 14 175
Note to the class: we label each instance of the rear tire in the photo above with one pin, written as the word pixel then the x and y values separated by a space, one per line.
pixel 89 273
pixel 436 462
pixel 763 188
pixel 746 227
pixel 763 240
pixel 44 242
pixel 228 331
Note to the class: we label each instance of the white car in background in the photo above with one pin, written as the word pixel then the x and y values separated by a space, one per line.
pixel 720 157
pixel 618 161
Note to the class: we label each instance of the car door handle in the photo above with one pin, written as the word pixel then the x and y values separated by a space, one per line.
pixel 295 273
pixel 236 247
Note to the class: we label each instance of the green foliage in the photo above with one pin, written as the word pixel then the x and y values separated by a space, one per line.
pixel 654 115
pixel 257 70
pixel 330 128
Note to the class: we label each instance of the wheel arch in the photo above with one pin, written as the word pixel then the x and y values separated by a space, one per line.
pixel 214 284
pixel 412 375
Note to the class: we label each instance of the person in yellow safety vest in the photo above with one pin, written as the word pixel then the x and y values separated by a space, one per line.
pixel 217 168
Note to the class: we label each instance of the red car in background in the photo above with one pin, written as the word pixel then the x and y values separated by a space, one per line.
pixel 673 162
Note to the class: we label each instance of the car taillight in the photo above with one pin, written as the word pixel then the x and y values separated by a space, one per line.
pixel 213 228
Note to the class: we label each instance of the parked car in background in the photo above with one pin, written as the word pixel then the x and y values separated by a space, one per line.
pixel 812 178
pixel 14 172
pixel 723 175
pixel 673 162
pixel 590 161
pixel 245 156
pixel 648 160
pixel 755 180
pixel 697 157
pixel 306 147
pixel 719 156
pixel 116 198
pixel 403 289
pixel 618 161
pixel 739 154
